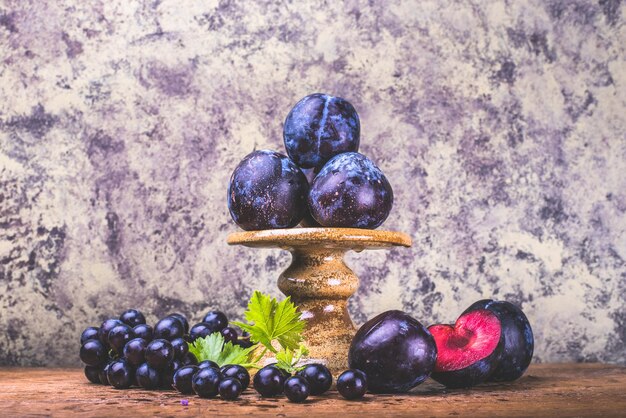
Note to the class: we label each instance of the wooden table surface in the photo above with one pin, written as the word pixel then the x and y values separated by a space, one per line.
pixel 558 390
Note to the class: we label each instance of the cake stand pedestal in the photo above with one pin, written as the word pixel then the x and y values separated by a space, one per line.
pixel 319 282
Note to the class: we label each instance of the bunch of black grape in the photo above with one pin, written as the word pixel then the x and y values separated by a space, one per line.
pixel 127 352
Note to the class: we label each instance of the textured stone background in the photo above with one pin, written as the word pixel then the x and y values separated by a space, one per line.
pixel 501 126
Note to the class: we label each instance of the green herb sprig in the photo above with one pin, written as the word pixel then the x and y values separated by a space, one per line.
pixel 213 347
pixel 271 321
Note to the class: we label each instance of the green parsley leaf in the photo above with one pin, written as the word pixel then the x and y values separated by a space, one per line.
pixel 212 347
pixel 270 320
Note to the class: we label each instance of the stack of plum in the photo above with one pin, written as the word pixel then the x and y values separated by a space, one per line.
pixel 324 181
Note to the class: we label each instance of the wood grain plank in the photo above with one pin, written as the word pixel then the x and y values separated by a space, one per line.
pixel 551 390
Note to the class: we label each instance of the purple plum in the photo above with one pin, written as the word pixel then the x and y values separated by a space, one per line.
pixel 395 351
pixel 350 191
pixel 319 127
pixel 267 191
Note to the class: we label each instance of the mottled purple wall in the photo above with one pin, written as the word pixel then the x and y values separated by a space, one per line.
pixel 501 126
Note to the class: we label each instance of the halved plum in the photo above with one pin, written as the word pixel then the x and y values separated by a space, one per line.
pixel 469 351
pixel 518 346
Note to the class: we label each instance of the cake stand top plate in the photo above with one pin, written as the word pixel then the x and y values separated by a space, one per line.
pixel 340 238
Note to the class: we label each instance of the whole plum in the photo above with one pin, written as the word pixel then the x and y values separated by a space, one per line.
pixel 267 191
pixel 319 127
pixel 394 350
pixel 350 191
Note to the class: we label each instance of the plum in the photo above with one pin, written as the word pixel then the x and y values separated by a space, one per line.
pixel 395 351
pixel 468 352
pixel 518 339
pixel 350 191
pixel 267 191
pixel 319 127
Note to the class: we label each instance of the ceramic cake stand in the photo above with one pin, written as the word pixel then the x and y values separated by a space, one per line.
pixel 319 281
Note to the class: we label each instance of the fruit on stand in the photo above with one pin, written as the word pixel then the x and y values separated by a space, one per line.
pixel 319 127
pixel 267 191
pixel 350 192
pixel 324 181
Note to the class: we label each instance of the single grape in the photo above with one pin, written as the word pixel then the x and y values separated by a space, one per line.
pixel 182 319
pixel 147 377
pixel 143 331
pixel 189 360
pixel 200 330
pixel 208 363
pixel 181 348
pixel 238 372
pixel 92 373
pixel 319 127
pixel 206 382
pixel 167 374
pixel 352 384
pixel 229 334
pixel 93 353
pixel 319 377
pixel 182 379
pixel 119 336
pixel 230 389
pixel 107 325
pixel 103 374
pixel 135 351
pixel 169 328
pixel 159 353
pixel 132 318
pixel 296 389
pixel 269 381
pixel 215 320
pixel 119 374
pixel 267 191
pixel 90 333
